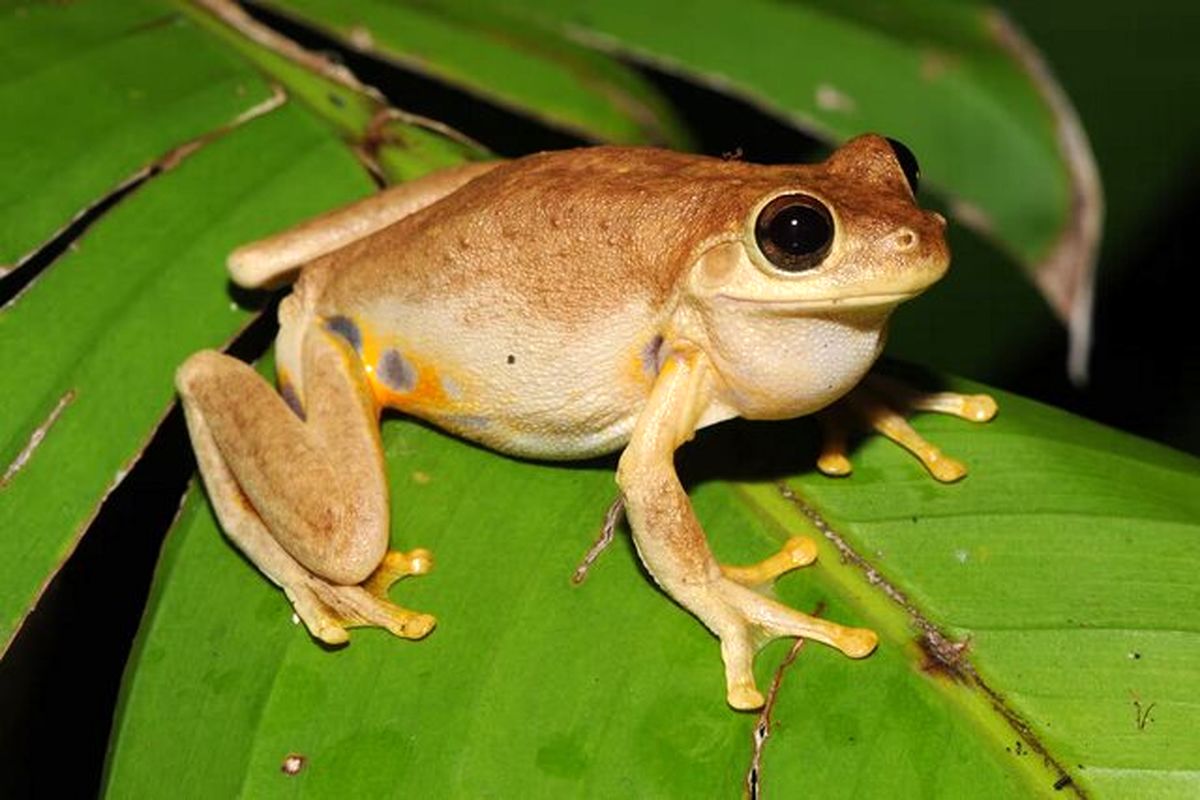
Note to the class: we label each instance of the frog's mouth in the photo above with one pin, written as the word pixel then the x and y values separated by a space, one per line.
pixel 875 300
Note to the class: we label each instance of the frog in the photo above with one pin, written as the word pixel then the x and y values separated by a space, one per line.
pixel 559 306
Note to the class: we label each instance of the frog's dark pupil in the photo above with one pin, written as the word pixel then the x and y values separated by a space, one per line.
pixel 799 230
pixel 794 232
pixel 908 163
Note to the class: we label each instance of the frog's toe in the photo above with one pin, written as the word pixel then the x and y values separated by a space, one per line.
pixel 883 404
pixel 747 620
pixel 396 565
pixel 327 609
pixel 737 651
pixel 798 551
pixel 835 427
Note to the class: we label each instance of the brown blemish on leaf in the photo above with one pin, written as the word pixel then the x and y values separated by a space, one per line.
pixel 951 656
pixel 380 133
pixel 943 658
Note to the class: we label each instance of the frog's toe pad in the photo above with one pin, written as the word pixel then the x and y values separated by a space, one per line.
pixel 397 565
pixel 832 463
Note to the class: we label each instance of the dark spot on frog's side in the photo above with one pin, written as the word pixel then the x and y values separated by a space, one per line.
pixel 291 398
pixel 396 373
pixel 511 359
pixel 652 355
pixel 345 328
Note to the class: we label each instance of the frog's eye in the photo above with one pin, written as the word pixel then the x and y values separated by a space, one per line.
pixel 794 232
pixel 908 163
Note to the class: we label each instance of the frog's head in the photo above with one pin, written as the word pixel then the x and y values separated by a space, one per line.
pixel 794 309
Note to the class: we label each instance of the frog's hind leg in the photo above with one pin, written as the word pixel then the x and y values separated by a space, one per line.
pixel 883 404
pixel 304 499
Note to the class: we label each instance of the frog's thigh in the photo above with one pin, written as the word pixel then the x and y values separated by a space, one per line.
pixel 673 547
pixel 317 485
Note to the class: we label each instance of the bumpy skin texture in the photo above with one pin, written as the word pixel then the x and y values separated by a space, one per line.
pixel 557 306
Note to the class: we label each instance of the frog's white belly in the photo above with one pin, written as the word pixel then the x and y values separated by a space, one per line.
pixel 538 388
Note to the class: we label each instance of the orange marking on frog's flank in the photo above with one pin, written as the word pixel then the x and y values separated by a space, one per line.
pixel 427 392
pixel 635 369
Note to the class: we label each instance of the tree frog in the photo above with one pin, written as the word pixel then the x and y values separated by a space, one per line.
pixel 560 306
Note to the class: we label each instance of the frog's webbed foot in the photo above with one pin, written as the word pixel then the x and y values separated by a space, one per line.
pixel 883 404
pixel 327 610
pixel 746 620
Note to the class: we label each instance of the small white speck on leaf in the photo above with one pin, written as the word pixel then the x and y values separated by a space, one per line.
pixel 961 556
pixel 295 618
pixel 829 98
pixel 292 764
pixel 361 38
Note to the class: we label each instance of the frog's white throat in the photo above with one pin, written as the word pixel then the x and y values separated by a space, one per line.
pixel 775 366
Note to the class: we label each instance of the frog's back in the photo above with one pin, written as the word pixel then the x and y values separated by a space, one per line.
pixel 560 235
pixel 526 310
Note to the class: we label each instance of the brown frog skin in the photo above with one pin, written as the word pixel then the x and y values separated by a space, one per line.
pixel 560 306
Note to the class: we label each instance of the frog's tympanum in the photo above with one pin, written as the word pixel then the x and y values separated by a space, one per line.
pixel 560 306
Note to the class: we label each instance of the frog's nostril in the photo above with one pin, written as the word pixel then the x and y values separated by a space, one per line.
pixel 904 239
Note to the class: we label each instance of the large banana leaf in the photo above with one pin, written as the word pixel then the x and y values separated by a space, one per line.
pixel 1037 623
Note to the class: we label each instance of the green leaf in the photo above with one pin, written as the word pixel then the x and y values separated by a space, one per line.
pixel 504 59
pixel 89 116
pixel 1063 562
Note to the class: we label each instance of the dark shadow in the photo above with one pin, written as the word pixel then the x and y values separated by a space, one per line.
pixel 36 263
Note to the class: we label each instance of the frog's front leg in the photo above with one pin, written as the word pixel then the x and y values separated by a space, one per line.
pixel 304 499
pixel 674 549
